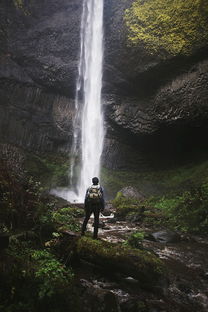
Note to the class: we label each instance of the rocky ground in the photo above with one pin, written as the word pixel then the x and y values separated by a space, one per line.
pixel 185 257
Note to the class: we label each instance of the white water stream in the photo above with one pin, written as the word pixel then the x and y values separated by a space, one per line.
pixel 88 122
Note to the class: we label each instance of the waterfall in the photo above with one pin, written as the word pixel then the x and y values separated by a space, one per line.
pixel 88 123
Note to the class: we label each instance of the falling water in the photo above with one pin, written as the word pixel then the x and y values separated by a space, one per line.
pixel 88 97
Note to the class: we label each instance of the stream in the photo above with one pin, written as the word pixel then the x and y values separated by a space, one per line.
pixel 185 259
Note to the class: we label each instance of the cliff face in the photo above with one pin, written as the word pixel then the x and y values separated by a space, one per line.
pixel 38 62
pixel 153 103
pixel 156 103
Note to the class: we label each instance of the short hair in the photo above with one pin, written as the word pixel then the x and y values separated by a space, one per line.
pixel 95 180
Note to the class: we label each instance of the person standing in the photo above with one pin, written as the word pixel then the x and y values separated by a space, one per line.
pixel 94 203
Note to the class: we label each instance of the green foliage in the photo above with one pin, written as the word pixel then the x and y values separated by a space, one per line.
pixel 50 273
pixel 167 181
pixel 135 239
pixel 51 170
pixel 66 218
pixel 33 280
pixel 172 26
pixel 188 211
pixel 20 197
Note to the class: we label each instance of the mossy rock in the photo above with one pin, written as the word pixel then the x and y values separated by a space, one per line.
pixel 142 265
pixel 173 27
pixel 125 206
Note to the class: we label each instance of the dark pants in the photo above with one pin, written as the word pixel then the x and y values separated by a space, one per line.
pixel 91 208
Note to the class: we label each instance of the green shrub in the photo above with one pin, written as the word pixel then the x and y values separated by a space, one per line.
pixel 67 218
pixel 52 170
pixel 20 198
pixel 33 280
pixel 135 239
pixel 188 211
pixel 52 276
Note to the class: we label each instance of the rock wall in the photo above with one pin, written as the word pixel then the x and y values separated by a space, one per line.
pixel 152 105
pixel 35 119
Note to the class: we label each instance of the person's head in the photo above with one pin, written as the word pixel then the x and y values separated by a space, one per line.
pixel 95 181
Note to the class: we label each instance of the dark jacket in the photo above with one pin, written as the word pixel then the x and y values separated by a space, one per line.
pixel 87 200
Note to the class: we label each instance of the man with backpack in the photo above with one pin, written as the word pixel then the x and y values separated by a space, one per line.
pixel 94 203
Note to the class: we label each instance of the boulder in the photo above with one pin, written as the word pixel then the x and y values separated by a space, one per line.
pixel 106 212
pixel 95 298
pixel 131 192
pixel 112 220
pixel 166 236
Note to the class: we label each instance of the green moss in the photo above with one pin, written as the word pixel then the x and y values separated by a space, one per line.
pixel 187 211
pixel 172 26
pixel 140 264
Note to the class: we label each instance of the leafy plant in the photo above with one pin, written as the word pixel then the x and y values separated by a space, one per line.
pixel 52 276
pixel 188 211
pixel 66 218
pixel 135 239
pixel 20 197
pixel 37 272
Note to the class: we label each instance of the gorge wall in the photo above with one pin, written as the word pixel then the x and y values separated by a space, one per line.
pixel 156 105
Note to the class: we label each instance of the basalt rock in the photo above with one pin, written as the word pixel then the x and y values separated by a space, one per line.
pixel 155 108
pixel 35 119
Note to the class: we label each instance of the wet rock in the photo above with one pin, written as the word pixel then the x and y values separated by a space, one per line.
pixel 94 298
pixel 101 224
pixel 112 220
pixel 106 212
pixel 131 192
pixel 130 280
pixel 108 206
pixel 156 305
pixel 59 202
pixel 105 285
pixel 184 286
pixel 70 234
pixel 136 217
pixel 166 236
pixel 206 275
pixel 133 304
